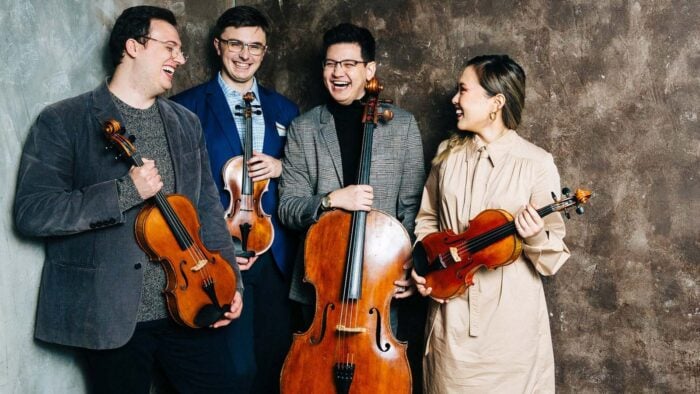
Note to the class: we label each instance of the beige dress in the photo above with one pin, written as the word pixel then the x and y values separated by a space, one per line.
pixel 495 337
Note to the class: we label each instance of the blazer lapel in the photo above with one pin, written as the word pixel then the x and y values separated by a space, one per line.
pixel 219 107
pixel 272 141
pixel 330 137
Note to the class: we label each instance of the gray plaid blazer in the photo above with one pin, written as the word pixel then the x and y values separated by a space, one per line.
pixel 312 166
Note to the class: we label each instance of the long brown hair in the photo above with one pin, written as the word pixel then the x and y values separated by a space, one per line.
pixel 497 74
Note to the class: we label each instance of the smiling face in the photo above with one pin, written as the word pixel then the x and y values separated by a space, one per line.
pixel 347 84
pixel 473 104
pixel 239 68
pixel 158 58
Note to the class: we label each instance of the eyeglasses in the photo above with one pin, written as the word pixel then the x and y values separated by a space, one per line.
pixel 235 46
pixel 171 46
pixel 346 64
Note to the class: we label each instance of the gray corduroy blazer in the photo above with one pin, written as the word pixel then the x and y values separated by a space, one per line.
pixel 67 194
pixel 312 166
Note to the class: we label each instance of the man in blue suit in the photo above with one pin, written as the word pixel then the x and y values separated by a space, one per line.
pixel 262 335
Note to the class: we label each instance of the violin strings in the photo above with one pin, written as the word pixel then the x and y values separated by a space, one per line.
pixel 481 241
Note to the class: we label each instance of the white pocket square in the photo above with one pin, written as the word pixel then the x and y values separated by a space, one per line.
pixel 281 129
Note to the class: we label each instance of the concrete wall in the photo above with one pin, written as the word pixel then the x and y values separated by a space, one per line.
pixel 612 93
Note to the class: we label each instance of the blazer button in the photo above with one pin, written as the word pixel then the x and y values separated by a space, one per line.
pixel 137 266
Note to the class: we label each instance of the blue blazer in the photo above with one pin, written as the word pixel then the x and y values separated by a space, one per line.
pixel 208 102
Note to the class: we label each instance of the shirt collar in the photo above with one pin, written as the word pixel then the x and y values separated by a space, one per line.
pixel 230 92
pixel 497 149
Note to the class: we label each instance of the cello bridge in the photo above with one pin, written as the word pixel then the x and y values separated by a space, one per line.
pixel 350 330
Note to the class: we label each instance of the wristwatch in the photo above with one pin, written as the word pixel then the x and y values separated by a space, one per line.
pixel 326 202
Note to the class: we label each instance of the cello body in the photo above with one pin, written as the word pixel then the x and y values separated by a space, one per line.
pixel 364 332
pixel 352 259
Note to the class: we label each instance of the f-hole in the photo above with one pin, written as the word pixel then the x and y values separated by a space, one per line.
pixel 378 331
pixel 315 341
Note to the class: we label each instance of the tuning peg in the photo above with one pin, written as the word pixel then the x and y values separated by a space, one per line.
pixel 554 196
pixel 566 191
pixel 386 115
pixel 257 112
pixel 566 213
pixel 579 210
pixel 255 106
pixel 132 138
pixel 238 107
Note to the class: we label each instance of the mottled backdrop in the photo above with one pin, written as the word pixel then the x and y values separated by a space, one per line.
pixel 612 93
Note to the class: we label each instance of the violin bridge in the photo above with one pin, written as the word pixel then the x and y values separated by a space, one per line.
pixel 200 264
pixel 455 254
pixel 351 330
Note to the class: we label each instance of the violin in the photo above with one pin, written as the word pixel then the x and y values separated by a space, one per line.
pixel 245 218
pixel 352 259
pixel 200 284
pixel 449 261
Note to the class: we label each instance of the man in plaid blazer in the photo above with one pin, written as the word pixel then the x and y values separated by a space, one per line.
pixel 323 149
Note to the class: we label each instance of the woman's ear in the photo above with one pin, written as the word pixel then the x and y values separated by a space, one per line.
pixel 500 100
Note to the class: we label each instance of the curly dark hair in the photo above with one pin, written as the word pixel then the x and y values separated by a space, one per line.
pixel 134 22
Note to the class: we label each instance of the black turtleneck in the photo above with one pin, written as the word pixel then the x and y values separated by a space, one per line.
pixel 348 127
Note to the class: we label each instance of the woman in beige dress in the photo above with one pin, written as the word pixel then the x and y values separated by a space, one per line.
pixel 495 337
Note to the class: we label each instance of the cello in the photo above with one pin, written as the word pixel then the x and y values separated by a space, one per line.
pixel 200 284
pixel 352 259
pixel 449 261
pixel 245 218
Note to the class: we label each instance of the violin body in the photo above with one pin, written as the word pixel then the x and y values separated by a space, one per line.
pixel 449 276
pixel 245 218
pixel 245 210
pixel 358 332
pixel 448 261
pixel 185 290
pixel 200 284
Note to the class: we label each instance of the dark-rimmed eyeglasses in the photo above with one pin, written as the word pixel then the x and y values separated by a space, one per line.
pixel 235 46
pixel 346 64
pixel 171 46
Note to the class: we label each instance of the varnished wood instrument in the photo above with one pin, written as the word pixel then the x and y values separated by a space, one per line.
pixel 245 217
pixel 449 261
pixel 200 283
pixel 352 259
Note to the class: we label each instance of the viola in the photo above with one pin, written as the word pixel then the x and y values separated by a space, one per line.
pixel 200 283
pixel 245 218
pixel 352 259
pixel 449 261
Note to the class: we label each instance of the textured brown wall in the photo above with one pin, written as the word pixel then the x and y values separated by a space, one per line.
pixel 612 93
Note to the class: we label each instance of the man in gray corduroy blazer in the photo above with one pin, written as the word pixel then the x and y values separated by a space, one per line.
pixel 323 148
pixel 99 293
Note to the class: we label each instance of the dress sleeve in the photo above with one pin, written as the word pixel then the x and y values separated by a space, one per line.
pixel 547 250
